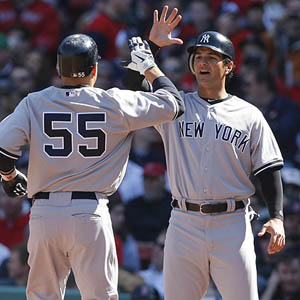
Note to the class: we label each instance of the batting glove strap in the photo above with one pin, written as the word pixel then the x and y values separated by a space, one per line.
pixel 16 186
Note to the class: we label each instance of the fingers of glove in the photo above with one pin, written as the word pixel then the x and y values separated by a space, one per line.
pixel 147 47
pixel 124 63
pixel 130 65
pixel 131 44
pixel 140 43
pixel 20 190
pixel 134 43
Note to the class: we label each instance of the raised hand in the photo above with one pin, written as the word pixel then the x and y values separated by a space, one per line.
pixel 161 31
pixel 141 56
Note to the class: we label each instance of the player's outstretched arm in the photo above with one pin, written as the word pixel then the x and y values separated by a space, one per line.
pixel 162 28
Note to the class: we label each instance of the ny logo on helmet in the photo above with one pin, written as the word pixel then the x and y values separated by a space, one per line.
pixel 205 38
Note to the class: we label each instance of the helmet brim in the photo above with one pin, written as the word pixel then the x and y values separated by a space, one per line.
pixel 192 49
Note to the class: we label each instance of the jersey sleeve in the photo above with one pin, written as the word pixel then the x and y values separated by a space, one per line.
pixel 15 131
pixel 144 109
pixel 265 152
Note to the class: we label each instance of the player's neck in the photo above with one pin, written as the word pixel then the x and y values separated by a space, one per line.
pixel 88 81
pixel 212 94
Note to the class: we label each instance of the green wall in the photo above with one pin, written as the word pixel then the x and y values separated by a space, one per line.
pixel 18 293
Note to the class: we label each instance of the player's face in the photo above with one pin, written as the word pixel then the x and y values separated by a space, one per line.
pixel 209 66
pixel 289 274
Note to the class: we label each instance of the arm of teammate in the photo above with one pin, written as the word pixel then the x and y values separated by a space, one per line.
pixel 13 181
pixel 142 61
pixel 271 185
pixel 160 36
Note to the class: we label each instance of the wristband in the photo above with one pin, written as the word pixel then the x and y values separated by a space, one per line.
pixel 9 176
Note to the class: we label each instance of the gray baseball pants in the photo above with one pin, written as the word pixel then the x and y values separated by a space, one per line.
pixel 220 245
pixel 77 234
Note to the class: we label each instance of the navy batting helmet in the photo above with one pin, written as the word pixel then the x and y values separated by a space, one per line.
pixel 76 56
pixel 215 41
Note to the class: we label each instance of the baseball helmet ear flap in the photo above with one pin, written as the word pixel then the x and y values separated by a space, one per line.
pixel 191 62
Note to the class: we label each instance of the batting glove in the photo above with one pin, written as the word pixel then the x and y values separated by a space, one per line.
pixel 141 56
pixel 14 184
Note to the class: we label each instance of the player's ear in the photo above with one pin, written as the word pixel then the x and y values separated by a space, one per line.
pixel 94 71
pixel 229 65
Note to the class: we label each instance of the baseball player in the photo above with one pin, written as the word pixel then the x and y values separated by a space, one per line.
pixel 79 138
pixel 211 151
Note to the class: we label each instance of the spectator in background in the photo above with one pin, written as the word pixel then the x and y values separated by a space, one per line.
pixel 172 66
pixel 127 249
pixel 281 113
pixel 18 268
pixel 228 22
pixel 145 292
pixel 19 42
pixel 255 23
pixel 6 65
pixel 105 27
pixel 38 65
pixel 147 215
pixel 14 218
pixel 4 254
pixel 153 275
pixel 291 84
pixel 147 146
pixel 284 282
pixel 132 185
pixel 39 17
pixel 198 18
pixel 23 83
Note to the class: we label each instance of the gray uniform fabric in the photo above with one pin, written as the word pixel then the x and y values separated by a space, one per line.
pixel 81 137
pixel 79 142
pixel 211 151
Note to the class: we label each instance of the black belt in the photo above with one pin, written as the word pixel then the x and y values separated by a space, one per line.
pixel 75 195
pixel 208 208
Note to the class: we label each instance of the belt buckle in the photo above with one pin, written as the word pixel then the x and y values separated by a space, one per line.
pixel 200 206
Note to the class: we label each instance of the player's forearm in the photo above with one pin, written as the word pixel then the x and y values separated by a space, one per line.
pixel 153 73
pixel 271 185
pixel 165 83
pixel 7 164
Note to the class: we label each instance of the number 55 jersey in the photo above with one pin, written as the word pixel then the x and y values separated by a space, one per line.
pixel 81 134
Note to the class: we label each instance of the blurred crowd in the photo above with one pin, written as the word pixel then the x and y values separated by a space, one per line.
pixel 266 36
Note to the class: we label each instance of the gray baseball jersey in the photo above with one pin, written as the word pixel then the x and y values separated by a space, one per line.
pixel 211 151
pixel 217 147
pixel 89 128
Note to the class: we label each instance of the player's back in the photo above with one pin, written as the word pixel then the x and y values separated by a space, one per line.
pixel 81 135
pixel 76 135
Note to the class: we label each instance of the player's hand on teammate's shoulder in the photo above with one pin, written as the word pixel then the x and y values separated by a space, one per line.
pixel 277 239
pixel 162 28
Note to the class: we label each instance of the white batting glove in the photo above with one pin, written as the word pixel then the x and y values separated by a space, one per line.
pixel 14 184
pixel 141 56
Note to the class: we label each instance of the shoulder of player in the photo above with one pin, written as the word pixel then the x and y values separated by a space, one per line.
pixel 243 103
